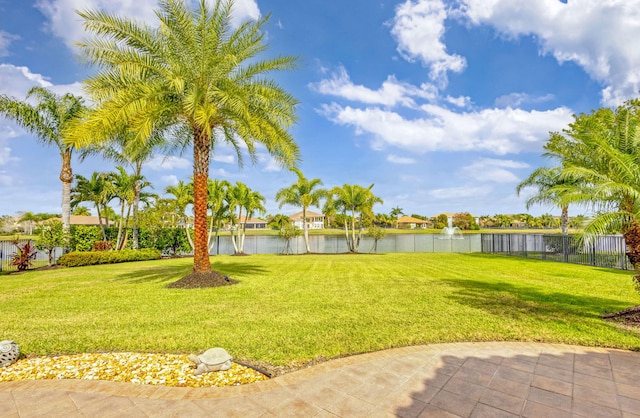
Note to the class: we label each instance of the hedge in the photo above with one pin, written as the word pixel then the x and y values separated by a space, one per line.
pixel 82 258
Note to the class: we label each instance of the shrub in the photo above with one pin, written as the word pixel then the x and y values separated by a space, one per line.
pixel 22 258
pixel 102 246
pixel 83 237
pixel 81 258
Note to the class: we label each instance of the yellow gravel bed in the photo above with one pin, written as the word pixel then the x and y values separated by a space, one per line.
pixel 150 369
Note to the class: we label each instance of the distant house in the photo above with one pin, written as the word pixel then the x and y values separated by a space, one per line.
pixel 408 222
pixel 88 220
pixel 253 223
pixel 314 220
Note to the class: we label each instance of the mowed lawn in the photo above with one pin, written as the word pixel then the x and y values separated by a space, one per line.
pixel 290 309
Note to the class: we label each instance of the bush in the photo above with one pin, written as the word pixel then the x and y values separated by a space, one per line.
pixel 83 237
pixel 22 258
pixel 81 258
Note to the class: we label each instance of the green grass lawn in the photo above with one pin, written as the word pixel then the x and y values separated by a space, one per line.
pixel 290 309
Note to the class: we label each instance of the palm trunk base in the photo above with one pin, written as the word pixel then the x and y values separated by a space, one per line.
pixel 197 280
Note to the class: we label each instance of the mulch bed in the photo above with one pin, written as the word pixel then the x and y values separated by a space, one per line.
pixel 629 317
pixel 201 280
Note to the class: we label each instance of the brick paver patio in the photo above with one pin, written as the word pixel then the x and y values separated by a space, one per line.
pixel 440 380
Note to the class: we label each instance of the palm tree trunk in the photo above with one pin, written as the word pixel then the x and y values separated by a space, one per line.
pixel 305 228
pixel 565 220
pixel 353 232
pixel 346 231
pixel 104 234
pixel 632 241
pixel 120 222
pixel 66 177
pixel 201 154
pixel 136 204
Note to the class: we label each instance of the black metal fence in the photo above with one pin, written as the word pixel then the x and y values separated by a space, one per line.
pixel 604 251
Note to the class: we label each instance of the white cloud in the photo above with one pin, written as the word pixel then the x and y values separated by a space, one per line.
pixel 5 41
pixel 18 80
pixel 228 158
pixel 391 93
pixel 5 179
pixel 519 99
pixel 493 170
pixel 167 162
pixel 499 131
pixel 219 172
pixel 418 28
pixel 595 34
pixel 170 179
pixel 5 155
pixel 269 163
pixel 400 160
pixel 460 101
pixel 65 23
pixel 453 193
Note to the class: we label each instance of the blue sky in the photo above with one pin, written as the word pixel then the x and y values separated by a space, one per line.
pixel 443 105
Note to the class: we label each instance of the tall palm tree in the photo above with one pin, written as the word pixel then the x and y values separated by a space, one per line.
pixel 49 120
pixel 356 203
pixel 600 153
pixel 303 193
pixel 195 72
pixel 98 190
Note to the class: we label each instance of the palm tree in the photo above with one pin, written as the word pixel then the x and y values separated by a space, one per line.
pixel 127 189
pixel 218 196
pixel 302 194
pixel 192 72
pixel 29 218
pixel 246 201
pixel 182 197
pixel 124 150
pixel 395 213
pixel 549 184
pixel 99 190
pixel 600 154
pixel 81 211
pixel 354 202
pixel 49 119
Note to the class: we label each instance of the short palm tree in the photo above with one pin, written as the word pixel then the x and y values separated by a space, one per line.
pixel 182 197
pixel 123 150
pixel 355 203
pixel 247 202
pixel 49 119
pixel 98 190
pixel 196 73
pixel 218 196
pixel 303 193
pixel 549 186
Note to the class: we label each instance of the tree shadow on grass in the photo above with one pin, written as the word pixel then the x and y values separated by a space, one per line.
pixel 511 301
pixel 171 272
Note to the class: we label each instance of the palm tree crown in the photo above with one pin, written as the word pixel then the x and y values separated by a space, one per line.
pixel 48 120
pixel 303 193
pixel 193 72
